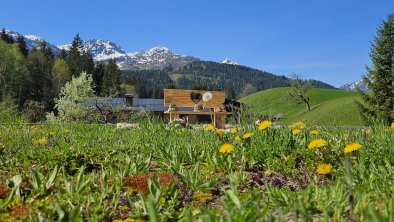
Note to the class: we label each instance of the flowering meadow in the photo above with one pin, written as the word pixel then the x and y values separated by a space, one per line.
pixel 157 172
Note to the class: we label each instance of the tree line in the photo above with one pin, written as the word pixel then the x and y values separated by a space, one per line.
pixel 33 78
pixel 237 81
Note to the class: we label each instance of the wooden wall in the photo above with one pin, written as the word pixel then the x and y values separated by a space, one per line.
pixel 181 98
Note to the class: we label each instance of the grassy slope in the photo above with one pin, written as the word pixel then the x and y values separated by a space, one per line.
pixel 329 107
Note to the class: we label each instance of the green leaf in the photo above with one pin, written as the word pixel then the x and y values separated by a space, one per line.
pixel 374 215
pixel 49 183
pixel 36 180
pixel 234 198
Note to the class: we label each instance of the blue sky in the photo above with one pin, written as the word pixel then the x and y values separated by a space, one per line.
pixel 328 40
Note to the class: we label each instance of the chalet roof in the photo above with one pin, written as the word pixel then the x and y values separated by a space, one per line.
pixel 153 105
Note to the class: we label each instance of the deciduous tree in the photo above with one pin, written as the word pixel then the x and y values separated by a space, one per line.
pixel 299 91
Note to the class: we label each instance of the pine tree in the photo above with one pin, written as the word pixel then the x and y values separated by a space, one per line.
pixel 111 79
pixel 98 75
pixel 378 103
pixel 62 54
pixel 86 63
pixel 43 47
pixel 6 37
pixel 40 63
pixel 74 55
pixel 230 92
pixel 22 45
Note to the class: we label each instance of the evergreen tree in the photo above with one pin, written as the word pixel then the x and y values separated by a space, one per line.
pixel 378 103
pixel 155 93
pixel 111 79
pixel 40 63
pixel 22 45
pixel 6 37
pixel 74 55
pixel 86 63
pixel 43 47
pixel 230 92
pixel 62 54
pixel 98 75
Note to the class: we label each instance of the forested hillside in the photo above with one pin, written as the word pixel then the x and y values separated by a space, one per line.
pixel 234 79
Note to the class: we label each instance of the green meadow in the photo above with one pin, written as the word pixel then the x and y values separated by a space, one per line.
pixel 156 172
pixel 328 107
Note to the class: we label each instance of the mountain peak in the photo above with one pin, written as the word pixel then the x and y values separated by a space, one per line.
pixel 158 57
pixel 32 41
pixel 34 38
pixel 354 85
pixel 229 62
pixel 159 49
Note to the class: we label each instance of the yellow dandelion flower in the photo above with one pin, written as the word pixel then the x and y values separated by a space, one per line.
pixel 317 143
pixel 264 124
pixel 245 160
pixel 67 131
pixel 233 130
pixel 392 125
pixel 324 169
pixel 209 127
pixel 314 132
pixel 299 125
pixel 42 141
pixel 237 138
pixel 220 131
pixel 226 148
pixel 295 131
pixel 247 136
pixel 351 147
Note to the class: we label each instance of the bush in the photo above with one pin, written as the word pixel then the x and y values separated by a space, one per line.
pixel 73 104
pixel 34 111
pixel 9 113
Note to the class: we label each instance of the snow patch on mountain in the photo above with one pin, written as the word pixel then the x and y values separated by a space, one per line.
pixel 354 85
pixel 103 50
pixel 65 46
pixel 229 62
pixel 33 41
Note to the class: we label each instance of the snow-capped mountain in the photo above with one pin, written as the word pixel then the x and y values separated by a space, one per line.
pixel 32 41
pixel 101 50
pixel 229 61
pixel 154 58
pixel 352 86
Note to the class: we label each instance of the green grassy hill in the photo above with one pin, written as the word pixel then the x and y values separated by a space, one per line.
pixel 329 107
